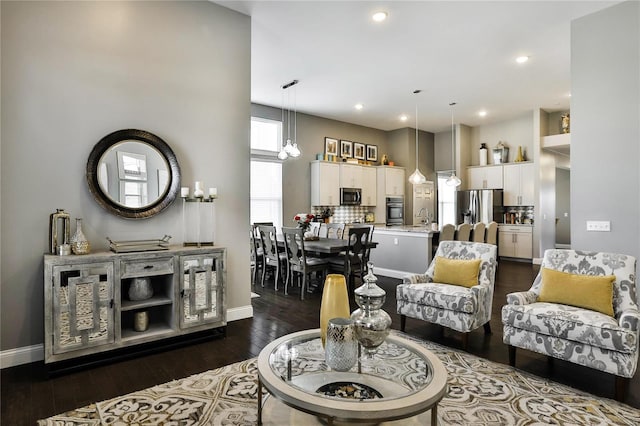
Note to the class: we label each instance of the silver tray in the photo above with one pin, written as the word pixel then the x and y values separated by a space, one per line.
pixel 139 245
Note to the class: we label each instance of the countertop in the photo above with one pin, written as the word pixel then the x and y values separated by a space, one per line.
pixel 423 229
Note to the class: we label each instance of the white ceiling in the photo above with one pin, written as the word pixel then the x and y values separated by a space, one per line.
pixel 461 51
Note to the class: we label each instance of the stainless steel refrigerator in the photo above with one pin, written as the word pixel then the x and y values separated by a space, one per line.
pixel 479 205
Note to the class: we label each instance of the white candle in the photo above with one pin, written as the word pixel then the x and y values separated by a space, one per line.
pixel 199 192
pixel 213 192
pixel 184 192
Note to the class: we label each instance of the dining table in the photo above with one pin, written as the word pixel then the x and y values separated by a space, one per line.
pixel 330 246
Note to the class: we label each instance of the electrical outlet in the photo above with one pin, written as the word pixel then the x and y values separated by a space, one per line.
pixel 395 241
pixel 599 225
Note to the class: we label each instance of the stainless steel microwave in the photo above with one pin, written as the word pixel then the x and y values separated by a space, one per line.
pixel 350 196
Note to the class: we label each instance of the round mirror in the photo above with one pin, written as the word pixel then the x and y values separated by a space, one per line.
pixel 133 173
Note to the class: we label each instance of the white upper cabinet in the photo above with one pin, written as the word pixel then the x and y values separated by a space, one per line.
pixel 391 181
pixel 325 183
pixel 485 177
pixel 350 175
pixel 519 181
pixel 369 186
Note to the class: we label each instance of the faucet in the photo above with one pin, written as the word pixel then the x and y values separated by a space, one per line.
pixel 426 214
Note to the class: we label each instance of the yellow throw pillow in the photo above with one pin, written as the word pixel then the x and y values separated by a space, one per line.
pixel 456 271
pixel 583 291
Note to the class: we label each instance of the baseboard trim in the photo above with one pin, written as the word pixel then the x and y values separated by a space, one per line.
pixel 23 355
pixel 537 261
pixel 393 273
pixel 34 353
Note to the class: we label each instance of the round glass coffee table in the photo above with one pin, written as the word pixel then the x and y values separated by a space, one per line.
pixel 401 380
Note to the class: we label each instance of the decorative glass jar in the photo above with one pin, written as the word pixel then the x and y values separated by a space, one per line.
pixel 371 323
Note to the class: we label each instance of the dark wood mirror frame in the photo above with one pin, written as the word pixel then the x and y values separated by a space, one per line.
pixel 118 209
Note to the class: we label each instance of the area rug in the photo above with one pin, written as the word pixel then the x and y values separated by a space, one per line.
pixel 481 392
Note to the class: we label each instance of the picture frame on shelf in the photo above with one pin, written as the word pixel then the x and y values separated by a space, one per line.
pixel 330 146
pixel 359 151
pixel 346 149
pixel 372 152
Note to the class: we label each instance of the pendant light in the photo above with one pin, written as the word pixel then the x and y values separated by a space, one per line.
pixel 416 177
pixel 289 148
pixel 453 180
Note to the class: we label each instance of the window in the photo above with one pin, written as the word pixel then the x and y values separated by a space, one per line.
pixel 446 200
pixel 266 171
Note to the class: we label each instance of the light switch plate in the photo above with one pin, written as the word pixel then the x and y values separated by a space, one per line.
pixel 599 225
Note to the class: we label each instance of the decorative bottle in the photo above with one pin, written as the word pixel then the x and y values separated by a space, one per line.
pixel 483 154
pixel 335 302
pixel 371 323
pixel 79 243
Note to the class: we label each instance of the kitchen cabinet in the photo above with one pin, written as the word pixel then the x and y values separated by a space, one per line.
pixel 485 177
pixel 350 175
pixel 87 308
pixel 515 241
pixel 519 179
pixel 325 183
pixel 390 181
pixel 369 186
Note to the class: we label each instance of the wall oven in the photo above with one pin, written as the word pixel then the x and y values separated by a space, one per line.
pixel 350 196
pixel 395 211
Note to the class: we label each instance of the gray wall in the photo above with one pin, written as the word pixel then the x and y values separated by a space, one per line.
pixel 73 72
pixel 515 132
pixel 605 128
pixel 563 205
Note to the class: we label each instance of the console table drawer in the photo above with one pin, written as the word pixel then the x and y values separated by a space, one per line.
pixel 146 267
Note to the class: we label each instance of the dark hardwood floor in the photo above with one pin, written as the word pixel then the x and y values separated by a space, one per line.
pixel 28 394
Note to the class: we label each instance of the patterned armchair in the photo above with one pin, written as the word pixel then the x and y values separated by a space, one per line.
pixel 459 308
pixel 577 335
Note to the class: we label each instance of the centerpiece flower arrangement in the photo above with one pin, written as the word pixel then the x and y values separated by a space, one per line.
pixel 303 219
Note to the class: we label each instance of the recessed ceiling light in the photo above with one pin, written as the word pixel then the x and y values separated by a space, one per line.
pixel 403 117
pixel 379 16
pixel 482 113
pixel 359 106
pixel 522 59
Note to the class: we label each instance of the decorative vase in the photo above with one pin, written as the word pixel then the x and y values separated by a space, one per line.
pixel 371 323
pixel 141 321
pixel 59 230
pixel 565 123
pixel 483 154
pixel 341 352
pixel 79 243
pixel 140 289
pixel 335 302
pixel 519 156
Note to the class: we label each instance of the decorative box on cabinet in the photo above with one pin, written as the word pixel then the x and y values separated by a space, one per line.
pixel 87 308
pixel 485 177
pixel 325 183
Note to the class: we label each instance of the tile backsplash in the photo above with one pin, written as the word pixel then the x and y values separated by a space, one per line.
pixel 343 214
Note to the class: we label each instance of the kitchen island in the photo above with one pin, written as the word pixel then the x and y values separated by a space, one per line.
pixel 402 250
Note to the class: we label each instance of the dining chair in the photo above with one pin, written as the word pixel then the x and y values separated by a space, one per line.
pixel 297 259
pixel 463 233
pixel 314 227
pixel 351 262
pixel 367 254
pixel 448 232
pixel 477 236
pixel 272 256
pixel 491 236
pixel 335 230
pixel 257 254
